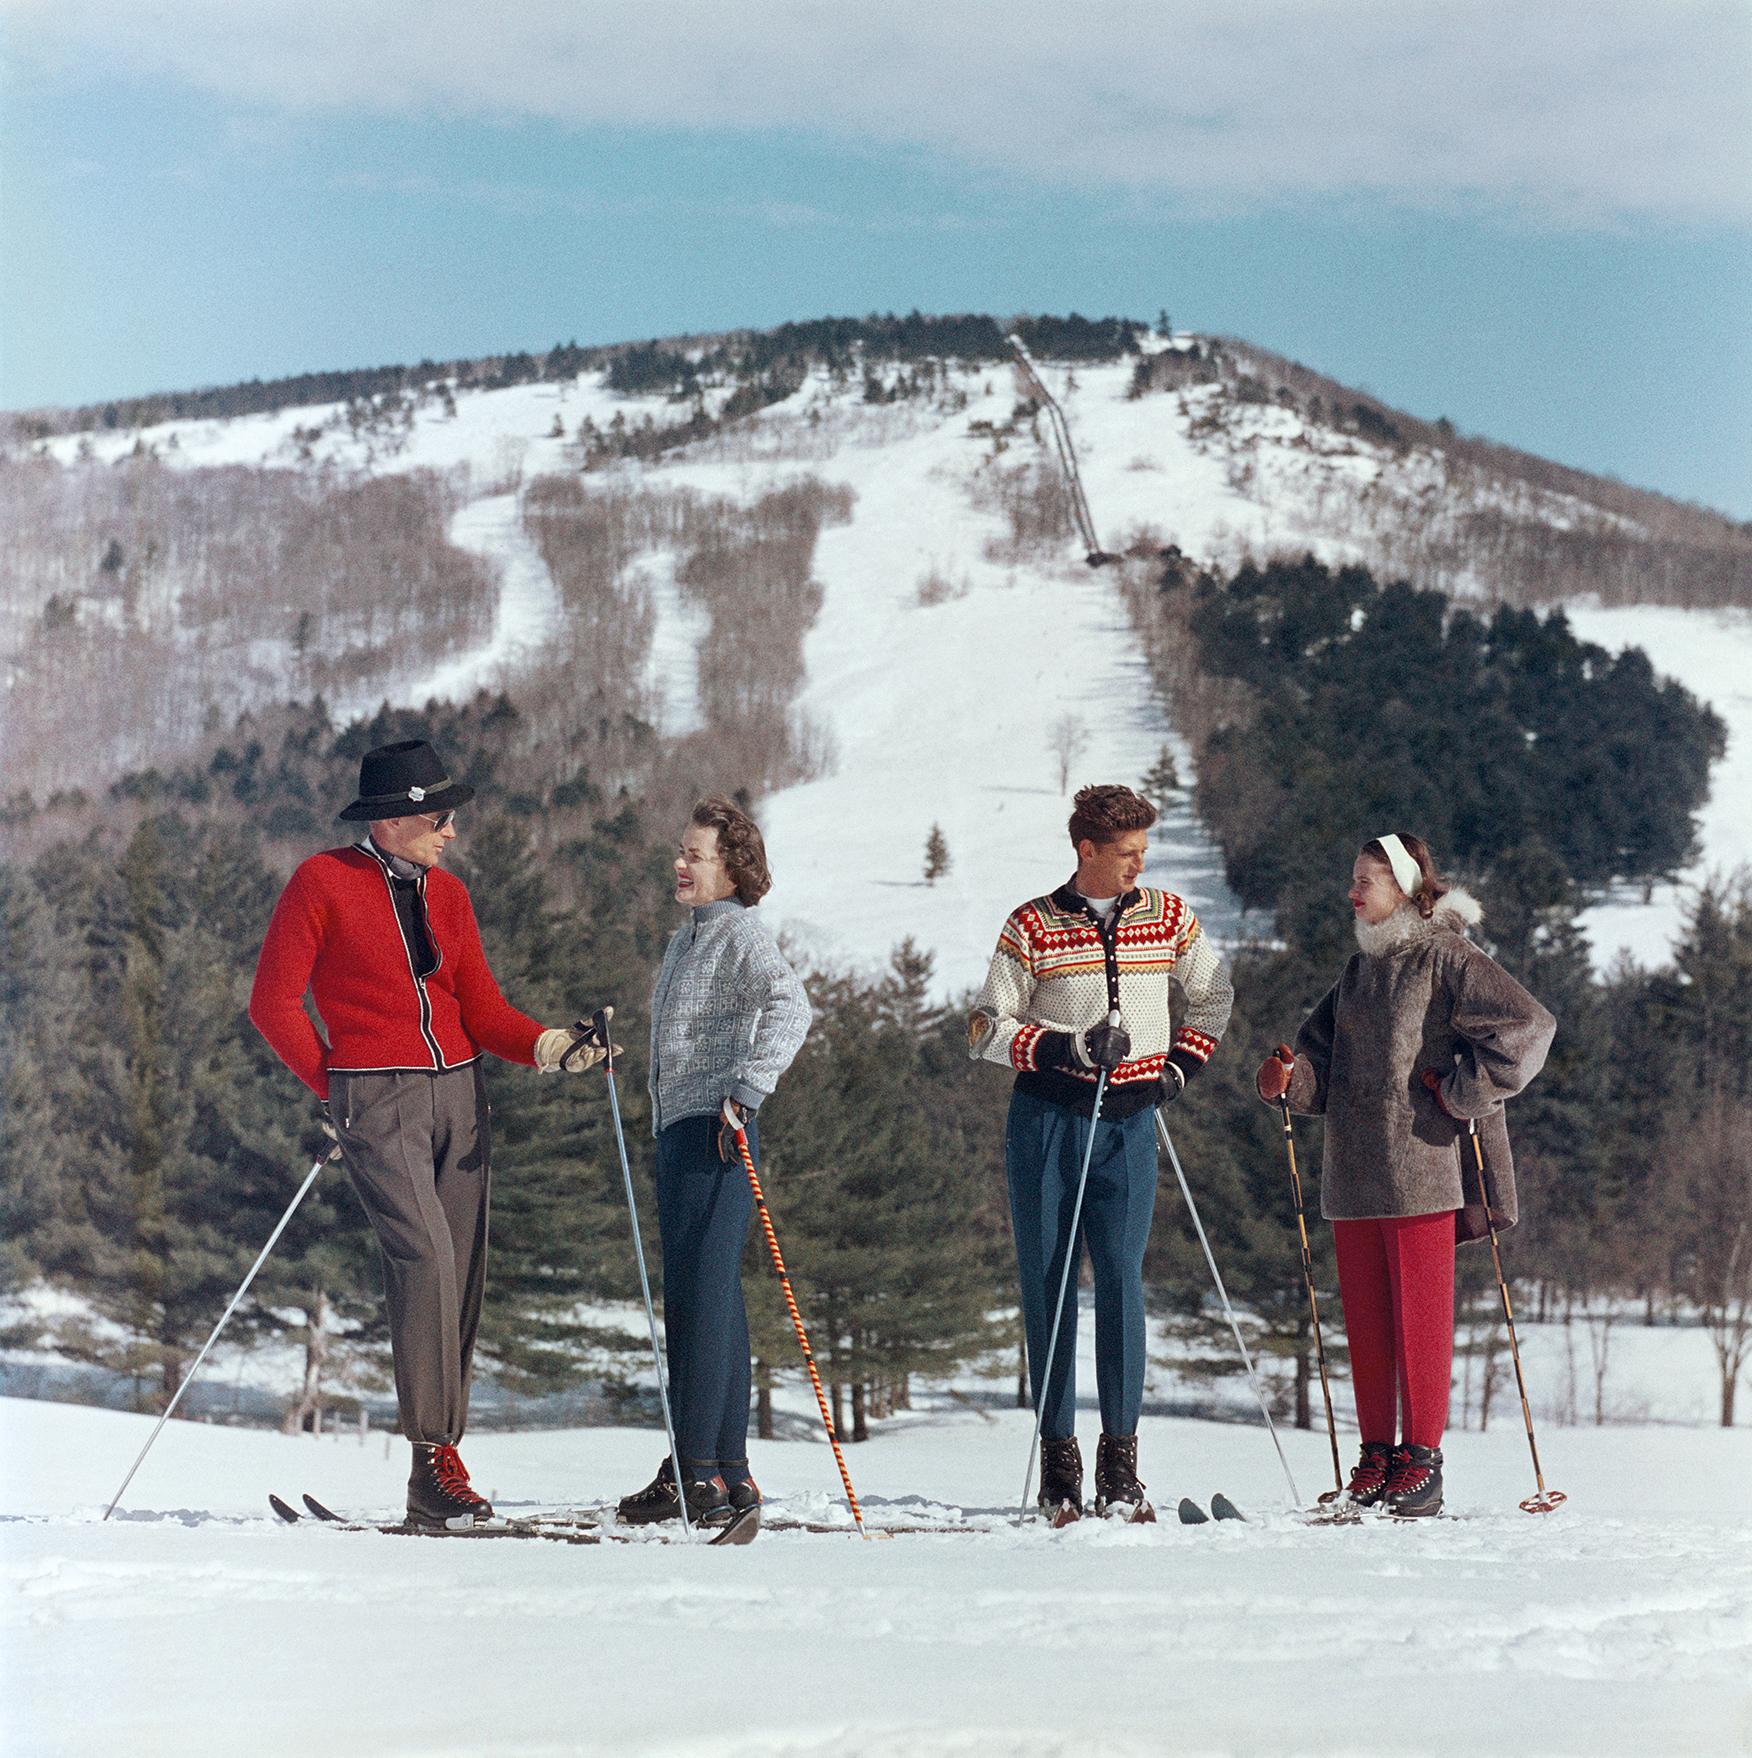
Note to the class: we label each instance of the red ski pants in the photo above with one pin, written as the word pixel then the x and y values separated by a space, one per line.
pixel 1396 1279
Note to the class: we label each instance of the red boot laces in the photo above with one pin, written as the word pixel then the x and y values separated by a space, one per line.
pixel 452 1475
pixel 1408 1474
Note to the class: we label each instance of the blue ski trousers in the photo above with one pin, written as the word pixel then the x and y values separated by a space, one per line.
pixel 704 1206
pixel 1043 1155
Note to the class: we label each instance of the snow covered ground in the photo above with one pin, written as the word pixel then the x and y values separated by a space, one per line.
pixel 197 1625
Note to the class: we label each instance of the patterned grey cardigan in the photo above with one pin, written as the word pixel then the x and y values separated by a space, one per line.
pixel 727 1015
pixel 1423 997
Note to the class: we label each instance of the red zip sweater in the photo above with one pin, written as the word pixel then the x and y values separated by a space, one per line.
pixel 335 932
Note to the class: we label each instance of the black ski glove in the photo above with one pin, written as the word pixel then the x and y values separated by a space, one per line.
pixel 1103 1046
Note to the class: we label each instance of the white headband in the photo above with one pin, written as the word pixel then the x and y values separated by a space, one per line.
pixel 1405 869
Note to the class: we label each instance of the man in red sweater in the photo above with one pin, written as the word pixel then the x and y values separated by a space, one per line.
pixel 386 944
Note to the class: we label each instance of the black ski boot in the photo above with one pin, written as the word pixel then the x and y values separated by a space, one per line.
pixel 1117 1489
pixel 744 1493
pixel 1414 1488
pixel 708 1502
pixel 1061 1480
pixel 439 1493
pixel 1368 1478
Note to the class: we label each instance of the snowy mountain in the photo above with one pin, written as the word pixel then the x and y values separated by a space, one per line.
pixel 951 642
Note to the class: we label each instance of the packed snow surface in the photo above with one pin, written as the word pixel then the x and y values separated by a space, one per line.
pixel 195 1624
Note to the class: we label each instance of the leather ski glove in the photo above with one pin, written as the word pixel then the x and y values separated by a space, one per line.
pixel 1103 1046
pixel 732 1116
pixel 574 1048
pixel 1273 1079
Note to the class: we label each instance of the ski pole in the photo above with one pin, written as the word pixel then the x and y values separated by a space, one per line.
pixel 334 1153
pixel 1228 1310
pixel 1546 1499
pixel 599 1024
pixel 1058 1312
pixel 772 1239
pixel 1313 1303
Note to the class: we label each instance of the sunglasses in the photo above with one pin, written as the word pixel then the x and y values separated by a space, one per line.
pixel 438 820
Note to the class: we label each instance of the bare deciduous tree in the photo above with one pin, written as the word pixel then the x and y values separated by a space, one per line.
pixel 1067 740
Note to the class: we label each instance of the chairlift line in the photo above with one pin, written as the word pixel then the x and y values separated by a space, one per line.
pixel 1094 554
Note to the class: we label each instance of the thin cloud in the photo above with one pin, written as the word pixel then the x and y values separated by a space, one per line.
pixel 1587 112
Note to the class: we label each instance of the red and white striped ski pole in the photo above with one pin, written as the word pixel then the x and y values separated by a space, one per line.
pixel 772 1239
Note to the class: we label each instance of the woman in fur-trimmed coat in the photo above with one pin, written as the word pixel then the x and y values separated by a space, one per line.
pixel 1422 1032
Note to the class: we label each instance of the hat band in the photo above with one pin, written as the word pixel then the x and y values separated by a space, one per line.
pixel 1405 869
pixel 416 794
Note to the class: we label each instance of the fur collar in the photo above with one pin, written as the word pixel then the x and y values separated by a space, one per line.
pixel 1456 911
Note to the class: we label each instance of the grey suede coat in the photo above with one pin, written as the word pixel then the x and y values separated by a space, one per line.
pixel 1428 998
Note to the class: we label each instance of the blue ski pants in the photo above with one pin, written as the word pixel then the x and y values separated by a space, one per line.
pixel 704 1206
pixel 1043 1155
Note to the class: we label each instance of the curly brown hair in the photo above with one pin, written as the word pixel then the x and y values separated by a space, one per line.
pixel 1432 887
pixel 1102 814
pixel 739 842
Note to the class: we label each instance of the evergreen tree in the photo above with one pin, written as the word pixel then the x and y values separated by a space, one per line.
pixel 936 855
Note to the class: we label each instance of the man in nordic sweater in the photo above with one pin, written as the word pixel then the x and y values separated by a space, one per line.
pixel 386 944
pixel 1083 980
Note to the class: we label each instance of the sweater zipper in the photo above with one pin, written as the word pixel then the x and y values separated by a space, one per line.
pixel 408 953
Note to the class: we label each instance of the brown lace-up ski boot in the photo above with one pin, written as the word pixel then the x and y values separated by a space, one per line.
pixel 708 1502
pixel 1117 1490
pixel 1414 1488
pixel 439 1493
pixel 1368 1478
pixel 1061 1480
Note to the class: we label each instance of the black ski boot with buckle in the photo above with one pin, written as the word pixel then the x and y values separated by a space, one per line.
pixel 708 1502
pixel 1368 1478
pixel 439 1493
pixel 1061 1480
pixel 1414 1486
pixel 1117 1490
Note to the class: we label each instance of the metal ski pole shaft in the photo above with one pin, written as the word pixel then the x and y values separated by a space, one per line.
pixel 189 1378
pixel 1313 1299
pixel 772 1239
pixel 620 1141
pixel 1545 1500
pixel 1228 1310
pixel 1058 1311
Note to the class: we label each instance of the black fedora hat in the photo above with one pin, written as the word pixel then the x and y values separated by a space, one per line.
pixel 396 781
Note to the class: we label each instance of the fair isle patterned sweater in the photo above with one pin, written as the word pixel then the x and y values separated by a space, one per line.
pixel 1056 972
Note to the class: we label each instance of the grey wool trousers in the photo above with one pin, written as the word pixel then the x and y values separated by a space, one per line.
pixel 416 1148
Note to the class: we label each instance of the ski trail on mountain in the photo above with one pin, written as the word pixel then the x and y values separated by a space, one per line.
pixel 942 714
pixel 525 617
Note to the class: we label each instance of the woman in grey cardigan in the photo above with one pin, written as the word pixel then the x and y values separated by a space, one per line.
pixel 1422 1032
pixel 727 1016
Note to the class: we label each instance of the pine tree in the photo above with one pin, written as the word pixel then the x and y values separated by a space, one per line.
pixel 1162 778
pixel 936 855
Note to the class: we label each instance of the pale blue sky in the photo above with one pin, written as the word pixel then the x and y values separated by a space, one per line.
pixel 1469 219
